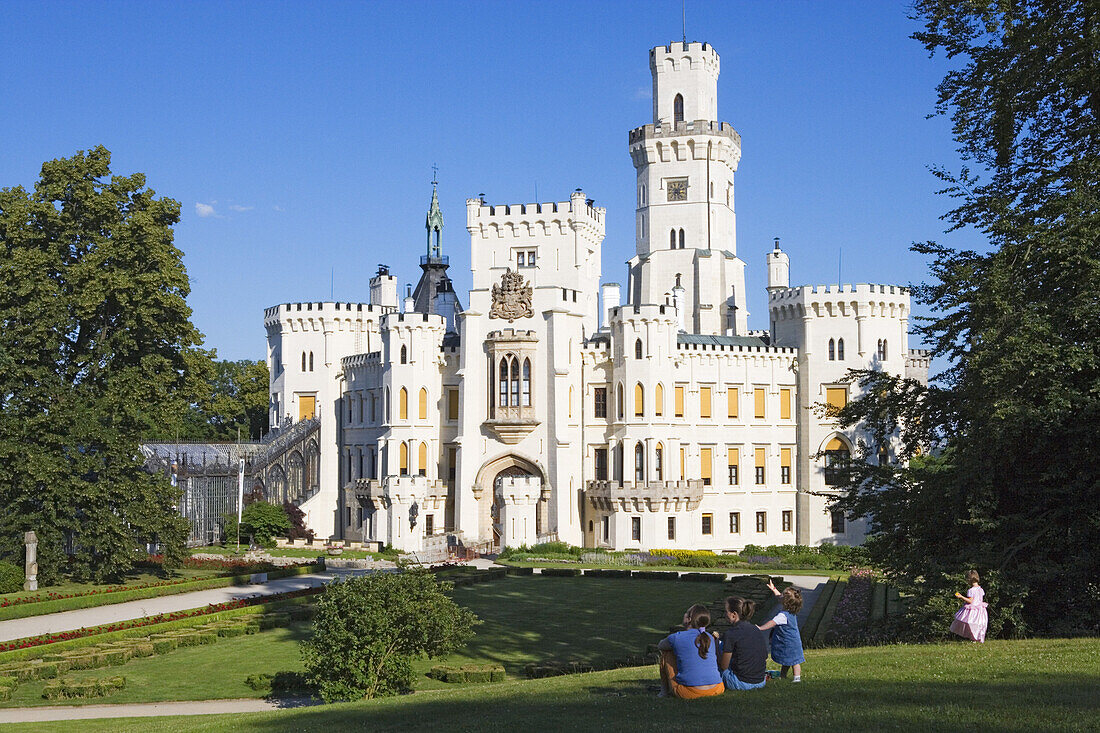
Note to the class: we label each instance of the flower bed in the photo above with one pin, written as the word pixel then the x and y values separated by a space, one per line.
pixel 35 641
pixel 52 596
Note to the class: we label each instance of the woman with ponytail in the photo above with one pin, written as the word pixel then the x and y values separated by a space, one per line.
pixel 743 651
pixel 689 659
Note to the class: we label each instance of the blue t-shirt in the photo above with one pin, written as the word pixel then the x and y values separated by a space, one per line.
pixel 691 669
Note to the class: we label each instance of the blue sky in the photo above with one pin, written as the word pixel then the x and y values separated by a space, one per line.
pixel 300 137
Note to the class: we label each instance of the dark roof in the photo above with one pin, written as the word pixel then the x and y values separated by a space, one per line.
pixel 716 340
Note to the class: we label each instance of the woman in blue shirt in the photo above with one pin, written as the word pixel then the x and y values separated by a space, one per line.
pixel 689 659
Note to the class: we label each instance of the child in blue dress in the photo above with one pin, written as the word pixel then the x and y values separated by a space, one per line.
pixel 786 641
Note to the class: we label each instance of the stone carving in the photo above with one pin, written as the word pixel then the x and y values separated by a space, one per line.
pixel 512 298
pixel 31 541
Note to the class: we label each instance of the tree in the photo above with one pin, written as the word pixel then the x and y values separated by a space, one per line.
pixel 95 347
pixel 1013 483
pixel 369 629
pixel 264 522
pixel 233 402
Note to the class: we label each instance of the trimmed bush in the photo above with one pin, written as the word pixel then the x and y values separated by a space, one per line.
pixel 143 649
pixel 653 575
pixel 163 646
pixel 85 660
pixel 259 682
pixel 112 657
pixel 188 638
pixel 519 571
pixel 5 693
pixel 468 673
pixel 561 572
pixel 704 577
pixel 11 578
pixel 303 613
pixel 72 689
pixel 8 682
pixel 273 620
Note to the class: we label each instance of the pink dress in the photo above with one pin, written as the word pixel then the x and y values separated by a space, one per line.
pixel 972 619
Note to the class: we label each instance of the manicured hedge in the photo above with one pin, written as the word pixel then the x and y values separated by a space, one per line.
pixel 704 577
pixel 561 572
pixel 70 688
pixel 511 570
pixel 468 673
pixel 24 610
pixel 654 574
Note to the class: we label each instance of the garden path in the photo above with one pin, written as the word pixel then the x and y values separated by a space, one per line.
pixel 144 710
pixel 87 617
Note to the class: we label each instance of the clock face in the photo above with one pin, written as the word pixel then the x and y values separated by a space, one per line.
pixel 677 189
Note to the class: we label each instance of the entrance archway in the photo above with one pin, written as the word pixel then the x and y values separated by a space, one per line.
pixel 488 483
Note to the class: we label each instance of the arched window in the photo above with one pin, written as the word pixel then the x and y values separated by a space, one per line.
pixel 404 355
pixel 423 404
pixel 570 401
pixel 373 407
pixel 422 459
pixel 515 382
pixel 681 239
pixel 526 382
pixel 671 245
pixel 837 457
pixel 639 400
pixel 619 400
pixel 659 400
pixel 403 404
pixel 882 350
pixel 678 108
pixel 503 380
pixel 659 462
pixel 639 463
pixel 832 350
pixel 840 349
pixel 404 458
pixel 388 416
pixel 638 349
pixel 311 361
pixel 303 361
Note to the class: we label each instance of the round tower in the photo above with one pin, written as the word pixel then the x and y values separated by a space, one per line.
pixel 685 82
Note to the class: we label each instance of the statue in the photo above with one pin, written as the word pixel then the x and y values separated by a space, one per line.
pixel 31 541
pixel 512 298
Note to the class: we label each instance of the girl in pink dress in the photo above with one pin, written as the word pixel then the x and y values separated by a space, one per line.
pixel 972 619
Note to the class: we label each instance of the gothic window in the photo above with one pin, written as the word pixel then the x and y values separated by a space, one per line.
pixel 422 459
pixel 387 415
pixel 423 413
pixel 678 108
pixel 601 464
pixel 671 245
pixel 404 355
pixel 619 401
pixel 638 349
pixel 311 361
pixel 526 382
pixel 882 354
pixel 837 458
pixel 403 404
pixel 303 361
pixel 832 350
pixel 515 382
pixel 373 407
pixel 639 400
pixel 659 462
pixel 503 381
pixel 681 239
pixel 659 400
pixel 840 349
pixel 599 401
pixel 639 463
pixel 360 409
pixel 404 458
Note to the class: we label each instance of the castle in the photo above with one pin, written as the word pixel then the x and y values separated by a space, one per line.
pixel 550 408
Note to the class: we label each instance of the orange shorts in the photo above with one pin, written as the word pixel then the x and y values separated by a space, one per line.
pixel 685 692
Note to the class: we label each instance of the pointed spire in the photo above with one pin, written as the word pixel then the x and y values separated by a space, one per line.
pixel 434 221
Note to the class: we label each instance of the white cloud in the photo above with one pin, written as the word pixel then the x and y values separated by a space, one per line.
pixel 238 207
pixel 205 210
pixel 278 208
pixel 643 93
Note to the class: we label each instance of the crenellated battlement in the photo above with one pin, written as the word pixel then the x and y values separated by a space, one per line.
pixel 865 289
pixel 674 56
pixel 512 335
pixel 425 321
pixel 644 312
pixel 323 309
pixel 521 220
pixel 688 127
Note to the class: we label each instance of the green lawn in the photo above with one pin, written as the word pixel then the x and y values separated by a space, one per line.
pixel 526 620
pixel 1034 685
pixel 742 568
pixel 137 577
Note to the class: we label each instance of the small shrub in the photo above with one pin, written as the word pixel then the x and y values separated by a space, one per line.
pixel 11 578
pixel 8 682
pixel 520 571
pixel 5 693
pixel 561 572
pixel 143 649
pixel 259 682
pixel 163 646
pixel 72 689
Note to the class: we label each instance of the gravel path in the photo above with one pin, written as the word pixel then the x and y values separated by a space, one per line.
pixel 149 709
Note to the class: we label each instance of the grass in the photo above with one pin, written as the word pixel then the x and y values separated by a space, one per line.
pixel 308 552
pixel 739 568
pixel 526 620
pixel 135 578
pixel 1033 685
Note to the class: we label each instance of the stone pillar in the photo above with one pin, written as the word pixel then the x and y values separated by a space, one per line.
pixel 520 495
pixel 405 517
pixel 31 541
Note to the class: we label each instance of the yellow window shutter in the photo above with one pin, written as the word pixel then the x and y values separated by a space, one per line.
pixel 760 456
pixel 659 400
pixel 452 404
pixel 704 402
pixel 758 395
pixel 732 399
pixel 404 458
pixel 705 464
pixel 785 457
pixel 734 456
pixel 423 404
pixel 639 400
pixel 682 476
pixel 784 404
pixel 307 406
pixel 836 397
pixel 679 401
pixel 836 444
pixel 403 404
pixel 423 457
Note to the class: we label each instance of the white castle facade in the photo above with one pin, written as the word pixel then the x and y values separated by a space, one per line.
pixel 551 407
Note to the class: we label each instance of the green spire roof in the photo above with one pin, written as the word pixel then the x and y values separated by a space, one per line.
pixel 434 223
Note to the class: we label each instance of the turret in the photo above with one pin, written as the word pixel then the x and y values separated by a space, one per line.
pixel 685 82
pixel 383 288
pixel 779 269
pixel 611 295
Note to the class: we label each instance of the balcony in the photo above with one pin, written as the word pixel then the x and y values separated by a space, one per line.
pixel 512 424
pixel 653 496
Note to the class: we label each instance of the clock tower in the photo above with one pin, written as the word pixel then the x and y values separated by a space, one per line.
pixel 685 162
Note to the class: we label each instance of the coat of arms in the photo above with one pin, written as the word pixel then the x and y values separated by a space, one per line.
pixel 512 298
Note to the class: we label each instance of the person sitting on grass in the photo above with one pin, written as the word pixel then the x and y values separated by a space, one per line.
pixel 786 641
pixel 689 659
pixel 743 650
